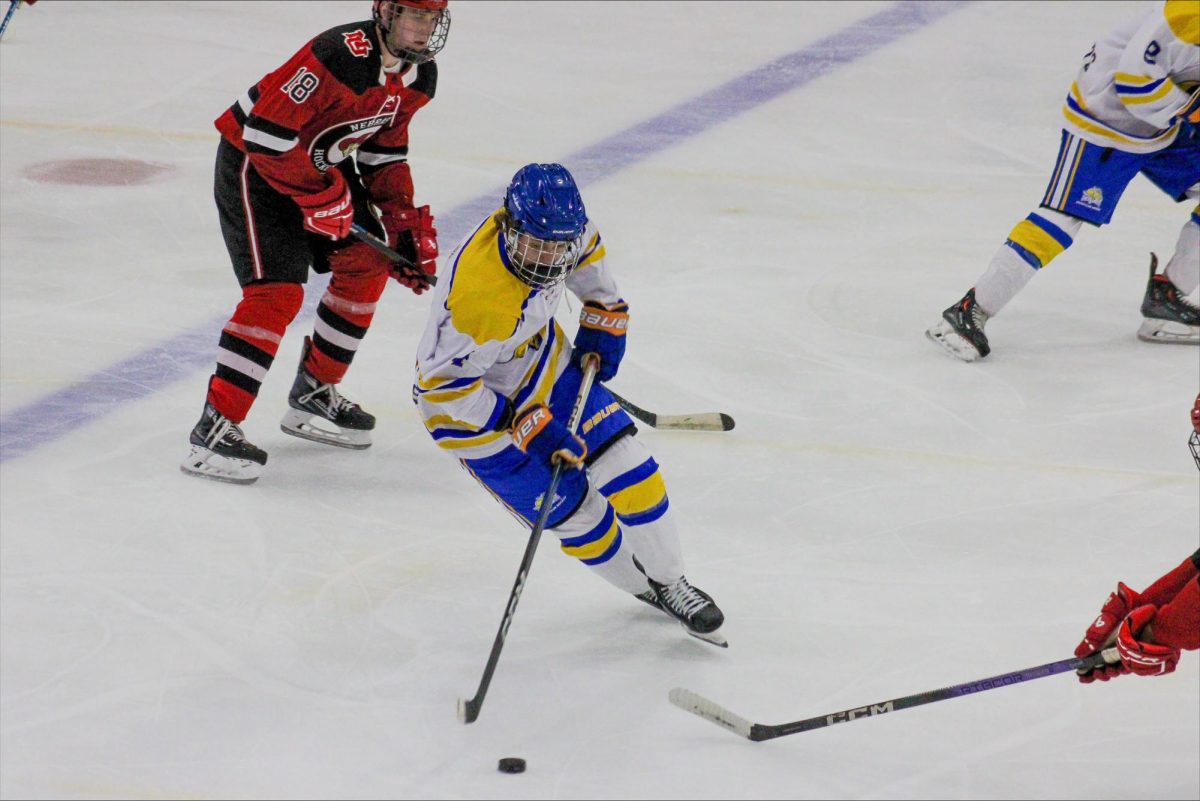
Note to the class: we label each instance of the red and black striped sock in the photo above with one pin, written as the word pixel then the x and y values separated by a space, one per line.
pixel 249 342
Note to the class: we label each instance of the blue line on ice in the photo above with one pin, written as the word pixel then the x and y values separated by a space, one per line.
pixel 52 417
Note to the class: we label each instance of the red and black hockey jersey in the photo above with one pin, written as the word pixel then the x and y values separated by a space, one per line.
pixel 331 100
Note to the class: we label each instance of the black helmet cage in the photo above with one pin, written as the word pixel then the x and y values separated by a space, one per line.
pixel 386 12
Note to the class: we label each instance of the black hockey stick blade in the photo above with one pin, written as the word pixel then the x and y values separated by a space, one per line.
pixel 715 713
pixel 702 421
pixel 468 710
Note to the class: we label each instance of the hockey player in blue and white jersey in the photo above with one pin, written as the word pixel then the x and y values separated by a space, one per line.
pixel 496 380
pixel 1134 108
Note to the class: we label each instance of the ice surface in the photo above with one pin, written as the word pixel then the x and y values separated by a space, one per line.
pixel 883 520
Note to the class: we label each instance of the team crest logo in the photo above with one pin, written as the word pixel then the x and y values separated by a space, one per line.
pixel 358 43
pixel 1092 198
pixel 541 499
pixel 339 142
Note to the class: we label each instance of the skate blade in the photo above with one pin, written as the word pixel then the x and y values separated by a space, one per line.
pixel 712 638
pixel 1168 332
pixel 951 342
pixel 206 464
pixel 302 424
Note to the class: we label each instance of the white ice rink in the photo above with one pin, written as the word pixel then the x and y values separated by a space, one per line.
pixel 884 520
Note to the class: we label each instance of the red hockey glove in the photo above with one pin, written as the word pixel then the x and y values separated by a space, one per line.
pixel 536 431
pixel 416 238
pixel 1138 656
pixel 329 212
pixel 1103 632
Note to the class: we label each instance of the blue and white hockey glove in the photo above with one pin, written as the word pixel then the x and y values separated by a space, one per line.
pixel 602 331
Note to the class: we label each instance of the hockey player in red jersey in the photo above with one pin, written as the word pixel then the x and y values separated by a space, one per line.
pixel 1150 628
pixel 317 145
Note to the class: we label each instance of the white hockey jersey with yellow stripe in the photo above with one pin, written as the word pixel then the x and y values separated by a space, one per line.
pixel 491 337
pixel 1134 82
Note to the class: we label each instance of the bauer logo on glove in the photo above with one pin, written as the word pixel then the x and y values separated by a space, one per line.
pixel 613 321
pixel 602 331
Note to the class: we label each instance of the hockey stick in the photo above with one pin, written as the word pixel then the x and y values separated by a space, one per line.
pixel 363 235
pixel 704 421
pixel 12 6
pixel 468 711
pixel 701 706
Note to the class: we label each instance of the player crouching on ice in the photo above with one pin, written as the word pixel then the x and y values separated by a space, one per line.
pixel 496 380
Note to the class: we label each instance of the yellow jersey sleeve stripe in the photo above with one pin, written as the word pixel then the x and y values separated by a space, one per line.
pixel 446 421
pixel 433 383
pixel 1156 95
pixel 472 442
pixel 448 396
pixel 1129 79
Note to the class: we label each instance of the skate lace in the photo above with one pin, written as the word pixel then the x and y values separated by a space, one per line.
pixel 337 404
pixel 1185 302
pixel 977 316
pixel 683 597
pixel 225 428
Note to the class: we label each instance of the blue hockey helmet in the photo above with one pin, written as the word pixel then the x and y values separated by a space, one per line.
pixel 544 223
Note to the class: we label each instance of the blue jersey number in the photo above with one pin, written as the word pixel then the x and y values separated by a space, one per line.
pixel 1152 51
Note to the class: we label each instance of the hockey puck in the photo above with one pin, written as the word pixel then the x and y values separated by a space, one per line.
pixel 511 765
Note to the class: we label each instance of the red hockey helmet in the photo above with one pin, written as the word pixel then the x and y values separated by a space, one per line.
pixel 414 30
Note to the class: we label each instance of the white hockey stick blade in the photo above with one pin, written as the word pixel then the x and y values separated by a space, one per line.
pixel 702 707
pixel 707 421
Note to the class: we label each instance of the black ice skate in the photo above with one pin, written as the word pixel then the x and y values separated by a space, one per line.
pixel 220 451
pixel 693 608
pixel 1169 317
pixel 320 414
pixel 960 332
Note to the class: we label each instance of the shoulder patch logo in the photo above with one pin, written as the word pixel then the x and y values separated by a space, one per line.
pixel 357 43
